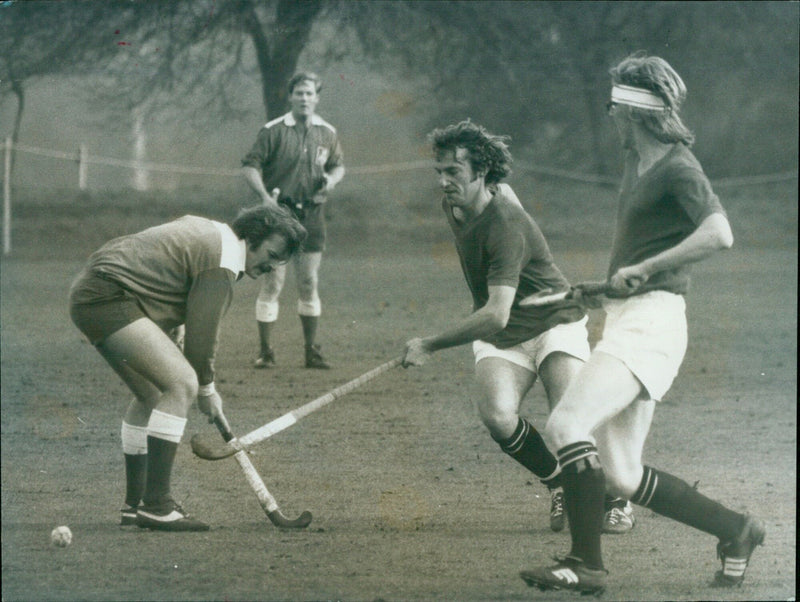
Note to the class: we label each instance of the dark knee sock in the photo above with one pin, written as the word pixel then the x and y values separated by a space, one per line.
pixel 160 458
pixel 676 499
pixel 135 478
pixel 584 485
pixel 309 324
pixel 528 448
pixel 264 330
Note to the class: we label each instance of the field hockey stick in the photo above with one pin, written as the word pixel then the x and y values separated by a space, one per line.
pixel 268 503
pixel 547 298
pixel 208 450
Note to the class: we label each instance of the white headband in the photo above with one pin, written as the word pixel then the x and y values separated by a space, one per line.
pixel 637 97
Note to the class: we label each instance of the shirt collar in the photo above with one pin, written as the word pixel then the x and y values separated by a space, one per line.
pixel 290 121
pixel 234 250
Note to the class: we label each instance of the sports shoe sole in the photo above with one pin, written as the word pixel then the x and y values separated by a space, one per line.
pixel 544 585
pixel 174 521
pixel 127 520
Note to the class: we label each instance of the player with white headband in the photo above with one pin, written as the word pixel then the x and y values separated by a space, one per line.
pixel 668 218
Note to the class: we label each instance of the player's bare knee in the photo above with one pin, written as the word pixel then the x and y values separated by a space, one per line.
pixel 621 481
pixel 501 425
pixel 184 390
pixel 307 287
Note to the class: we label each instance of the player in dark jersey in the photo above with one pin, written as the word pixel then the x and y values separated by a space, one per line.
pixel 296 161
pixel 668 218
pixel 136 288
pixel 505 258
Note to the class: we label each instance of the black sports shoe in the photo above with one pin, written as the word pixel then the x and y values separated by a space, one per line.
pixel 265 360
pixel 168 516
pixel 127 516
pixel 569 573
pixel 735 554
pixel 557 510
pixel 314 358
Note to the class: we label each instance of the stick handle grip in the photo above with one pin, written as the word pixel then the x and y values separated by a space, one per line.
pixel 223 427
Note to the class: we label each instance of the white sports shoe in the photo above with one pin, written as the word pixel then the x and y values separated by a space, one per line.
pixel 619 520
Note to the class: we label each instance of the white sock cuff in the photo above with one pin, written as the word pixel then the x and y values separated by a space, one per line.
pixel 266 311
pixel 311 308
pixel 166 426
pixel 134 439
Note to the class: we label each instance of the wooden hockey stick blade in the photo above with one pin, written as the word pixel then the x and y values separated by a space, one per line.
pixel 208 450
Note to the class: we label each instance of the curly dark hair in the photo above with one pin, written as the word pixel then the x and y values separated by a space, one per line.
pixel 255 224
pixel 487 152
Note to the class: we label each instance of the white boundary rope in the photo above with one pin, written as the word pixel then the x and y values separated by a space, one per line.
pixel 383 168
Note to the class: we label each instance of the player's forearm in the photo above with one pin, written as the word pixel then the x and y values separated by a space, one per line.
pixel 208 300
pixel 253 179
pixel 335 175
pixel 712 235
pixel 480 325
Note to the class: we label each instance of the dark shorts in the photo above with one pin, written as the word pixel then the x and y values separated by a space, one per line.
pixel 99 307
pixel 313 219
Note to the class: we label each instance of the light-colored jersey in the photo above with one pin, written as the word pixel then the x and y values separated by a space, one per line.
pixel 181 272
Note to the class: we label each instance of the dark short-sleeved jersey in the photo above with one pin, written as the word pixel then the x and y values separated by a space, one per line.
pixel 503 246
pixel 294 158
pixel 658 211
pixel 181 272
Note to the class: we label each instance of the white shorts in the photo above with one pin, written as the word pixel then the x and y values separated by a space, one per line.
pixel 571 338
pixel 648 334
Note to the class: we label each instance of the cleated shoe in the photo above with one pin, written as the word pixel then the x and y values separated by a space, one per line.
pixel 570 574
pixel 314 358
pixel 557 518
pixel 168 516
pixel 619 520
pixel 127 516
pixel 735 554
pixel 265 360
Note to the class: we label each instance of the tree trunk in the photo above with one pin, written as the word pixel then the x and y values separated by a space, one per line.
pixel 277 55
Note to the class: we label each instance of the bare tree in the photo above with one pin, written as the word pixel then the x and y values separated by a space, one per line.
pixel 38 39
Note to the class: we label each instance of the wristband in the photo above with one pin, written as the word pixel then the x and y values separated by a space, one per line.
pixel 206 390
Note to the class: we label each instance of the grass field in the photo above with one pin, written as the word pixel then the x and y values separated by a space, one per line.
pixel 411 498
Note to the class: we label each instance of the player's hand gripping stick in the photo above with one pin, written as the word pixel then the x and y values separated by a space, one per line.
pixel 268 503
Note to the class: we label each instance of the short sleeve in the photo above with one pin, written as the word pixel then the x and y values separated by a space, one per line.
pixel 692 191
pixel 507 253
pixel 260 150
